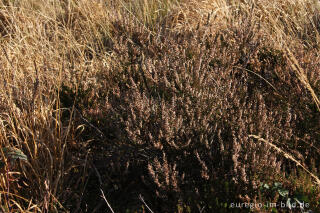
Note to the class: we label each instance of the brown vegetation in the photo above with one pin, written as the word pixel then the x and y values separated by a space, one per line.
pixel 188 106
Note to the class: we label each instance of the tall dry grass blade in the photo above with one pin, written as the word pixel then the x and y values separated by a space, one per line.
pixel 302 76
pixel 142 200
pixel 288 156
pixel 105 199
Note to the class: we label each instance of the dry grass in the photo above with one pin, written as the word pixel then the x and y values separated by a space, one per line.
pixel 158 99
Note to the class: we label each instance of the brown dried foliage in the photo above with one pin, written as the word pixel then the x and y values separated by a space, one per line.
pixel 99 101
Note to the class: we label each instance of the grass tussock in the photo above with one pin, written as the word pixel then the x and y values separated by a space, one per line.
pixel 164 106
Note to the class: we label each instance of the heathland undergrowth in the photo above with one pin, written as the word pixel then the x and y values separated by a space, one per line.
pixel 159 106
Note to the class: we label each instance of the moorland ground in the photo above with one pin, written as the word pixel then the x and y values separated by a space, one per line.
pixel 163 106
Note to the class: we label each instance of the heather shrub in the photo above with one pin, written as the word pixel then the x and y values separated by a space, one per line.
pixel 187 121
